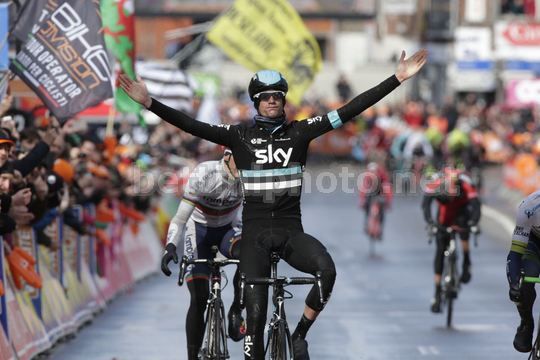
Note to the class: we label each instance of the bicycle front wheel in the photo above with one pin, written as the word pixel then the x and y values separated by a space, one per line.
pixel 451 291
pixel 215 342
pixel 535 352
pixel 280 342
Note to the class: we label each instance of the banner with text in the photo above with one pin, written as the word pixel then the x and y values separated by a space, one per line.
pixel 64 58
pixel 261 34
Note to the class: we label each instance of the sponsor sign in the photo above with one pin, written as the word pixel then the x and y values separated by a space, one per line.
pixel 473 44
pixel 523 93
pixel 515 40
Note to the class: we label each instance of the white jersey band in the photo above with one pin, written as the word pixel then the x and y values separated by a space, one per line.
pixel 217 197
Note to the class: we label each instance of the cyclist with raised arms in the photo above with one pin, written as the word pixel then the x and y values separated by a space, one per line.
pixel 524 256
pixel 208 213
pixel 270 154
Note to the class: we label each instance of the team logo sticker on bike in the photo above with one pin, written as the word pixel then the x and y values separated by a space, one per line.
pixel 248 343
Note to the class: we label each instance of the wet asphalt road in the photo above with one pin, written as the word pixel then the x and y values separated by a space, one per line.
pixel 379 308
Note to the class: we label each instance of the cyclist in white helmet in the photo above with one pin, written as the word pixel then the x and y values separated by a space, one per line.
pixel 208 213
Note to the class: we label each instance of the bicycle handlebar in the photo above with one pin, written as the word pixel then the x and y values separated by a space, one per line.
pixel 531 279
pixel 433 229
pixel 211 262
pixel 281 280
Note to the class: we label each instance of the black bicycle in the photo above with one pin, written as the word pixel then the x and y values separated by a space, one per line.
pixel 214 346
pixel 451 284
pixel 279 341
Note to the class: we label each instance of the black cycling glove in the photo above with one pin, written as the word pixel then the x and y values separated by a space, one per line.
pixel 170 254
pixel 515 293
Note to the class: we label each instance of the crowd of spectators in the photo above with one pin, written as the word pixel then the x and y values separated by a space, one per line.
pixel 46 168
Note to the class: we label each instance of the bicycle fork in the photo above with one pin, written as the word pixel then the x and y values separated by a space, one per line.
pixel 279 346
pixel 451 281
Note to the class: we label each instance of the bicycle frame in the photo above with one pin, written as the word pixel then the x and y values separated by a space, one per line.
pixel 214 346
pixel 278 322
pixel 279 341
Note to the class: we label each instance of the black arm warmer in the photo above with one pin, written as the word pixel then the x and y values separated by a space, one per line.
pixel 474 210
pixel 367 98
pixel 32 159
pixel 426 208
pixel 185 122
pixel 513 267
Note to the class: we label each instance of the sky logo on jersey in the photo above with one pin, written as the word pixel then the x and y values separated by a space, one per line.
pixel 268 156
pixel 314 120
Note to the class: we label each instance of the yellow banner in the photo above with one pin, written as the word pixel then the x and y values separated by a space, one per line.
pixel 262 34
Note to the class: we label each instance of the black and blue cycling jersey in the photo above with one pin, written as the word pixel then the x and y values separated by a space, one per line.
pixel 271 163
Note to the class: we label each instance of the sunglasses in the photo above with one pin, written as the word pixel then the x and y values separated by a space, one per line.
pixel 265 96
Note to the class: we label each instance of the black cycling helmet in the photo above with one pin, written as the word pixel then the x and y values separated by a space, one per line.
pixel 265 80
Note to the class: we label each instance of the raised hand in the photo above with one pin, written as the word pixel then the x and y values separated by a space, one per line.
pixel 409 67
pixel 135 89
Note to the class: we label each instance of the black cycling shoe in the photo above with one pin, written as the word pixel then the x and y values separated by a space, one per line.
pixel 466 274
pixel 524 335
pixel 300 348
pixel 436 302
pixel 237 325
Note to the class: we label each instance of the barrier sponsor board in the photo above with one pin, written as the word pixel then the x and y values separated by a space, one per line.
pixel 24 238
pixel 20 334
pixel 6 351
pixel 134 253
pixel 76 291
pixel 3 305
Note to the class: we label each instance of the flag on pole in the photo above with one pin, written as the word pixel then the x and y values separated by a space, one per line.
pixel 119 29
pixel 269 35
pixel 32 13
pixel 63 59
pixel 172 86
